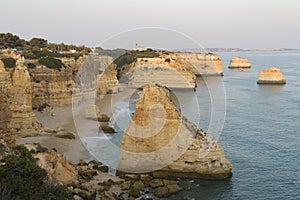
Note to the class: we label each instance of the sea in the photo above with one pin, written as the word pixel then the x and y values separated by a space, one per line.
pixel 257 125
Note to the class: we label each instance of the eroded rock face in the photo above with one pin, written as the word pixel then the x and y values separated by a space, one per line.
pixel 107 81
pixel 60 87
pixel 204 64
pixel 238 62
pixel 159 140
pixel 271 76
pixel 53 87
pixel 57 167
pixel 6 132
pixel 16 85
pixel 160 70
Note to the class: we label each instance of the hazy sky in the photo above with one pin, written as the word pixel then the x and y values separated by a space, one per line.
pixel 212 23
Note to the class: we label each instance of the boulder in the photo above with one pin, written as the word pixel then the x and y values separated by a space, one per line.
pixel 156 183
pixel 57 167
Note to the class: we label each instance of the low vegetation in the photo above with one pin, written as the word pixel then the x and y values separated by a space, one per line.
pixel 132 56
pixel 22 178
pixel 38 47
pixel 51 63
pixel 9 62
pixel 115 53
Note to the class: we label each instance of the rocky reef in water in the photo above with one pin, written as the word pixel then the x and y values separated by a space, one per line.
pixel 160 141
pixel 238 62
pixel 272 76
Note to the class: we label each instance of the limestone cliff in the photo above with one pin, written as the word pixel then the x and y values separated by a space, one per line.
pixel 160 70
pixel 16 85
pixel 51 86
pixel 97 73
pixel 271 76
pixel 107 81
pixel 204 64
pixel 238 62
pixel 159 140
pixel 6 132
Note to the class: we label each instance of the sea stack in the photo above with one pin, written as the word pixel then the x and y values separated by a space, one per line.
pixel 238 62
pixel 271 76
pixel 160 141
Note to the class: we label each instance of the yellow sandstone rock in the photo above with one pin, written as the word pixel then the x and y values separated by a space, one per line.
pixel 16 85
pixel 6 132
pixel 271 76
pixel 159 140
pixel 204 64
pixel 238 62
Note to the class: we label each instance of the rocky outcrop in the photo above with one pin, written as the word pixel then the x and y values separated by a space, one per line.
pixel 6 132
pixel 160 70
pixel 16 85
pixel 203 64
pixel 159 140
pixel 57 167
pixel 238 62
pixel 87 75
pixel 53 87
pixel 271 76
pixel 107 81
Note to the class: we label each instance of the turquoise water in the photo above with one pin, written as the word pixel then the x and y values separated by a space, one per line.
pixel 261 132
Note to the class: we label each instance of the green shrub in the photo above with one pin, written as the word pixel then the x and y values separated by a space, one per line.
pixel 22 178
pixel 131 57
pixel 168 60
pixel 51 63
pixel 9 62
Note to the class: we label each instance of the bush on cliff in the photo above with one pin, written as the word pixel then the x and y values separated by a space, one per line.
pixel 22 178
pixel 131 57
pixel 51 63
pixel 9 62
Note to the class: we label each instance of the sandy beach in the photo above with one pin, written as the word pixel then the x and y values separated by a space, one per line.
pixel 74 121
pixel 73 150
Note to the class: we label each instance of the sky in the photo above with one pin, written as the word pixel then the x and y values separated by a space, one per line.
pixel 167 23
